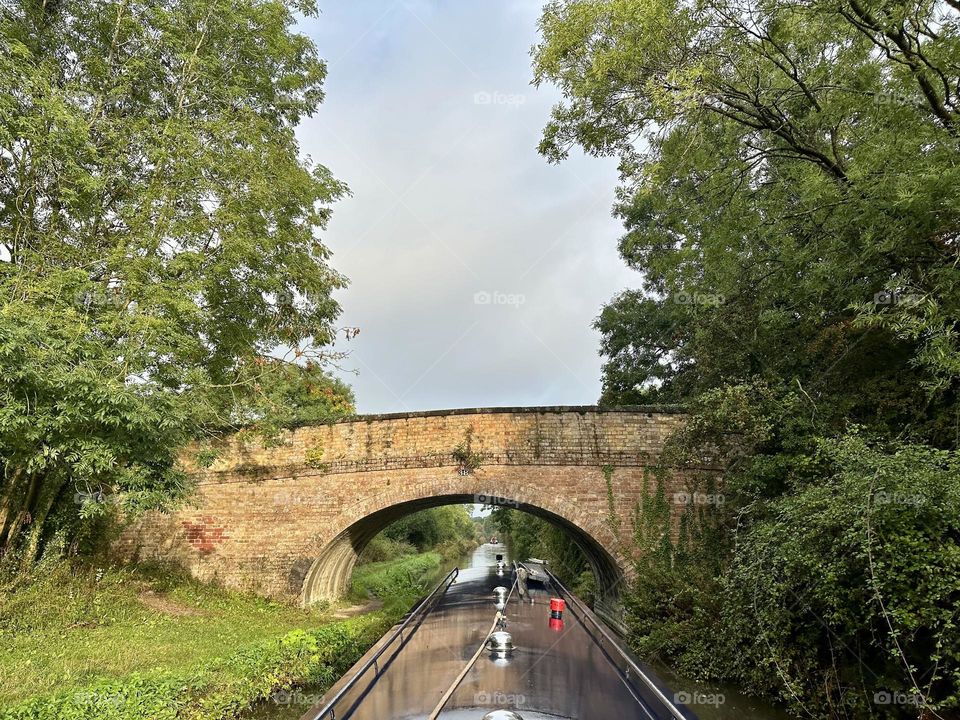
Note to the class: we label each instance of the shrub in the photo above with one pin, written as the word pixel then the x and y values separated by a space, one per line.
pixel 219 689
pixel 861 570
pixel 400 581
pixel 837 593
pixel 382 548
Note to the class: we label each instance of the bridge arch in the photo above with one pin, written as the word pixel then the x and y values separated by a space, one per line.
pixel 329 574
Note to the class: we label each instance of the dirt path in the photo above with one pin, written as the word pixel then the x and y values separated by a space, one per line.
pixel 163 604
pixel 351 610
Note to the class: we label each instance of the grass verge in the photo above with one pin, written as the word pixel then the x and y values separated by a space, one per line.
pixel 150 642
pixel 221 688
pixel 404 578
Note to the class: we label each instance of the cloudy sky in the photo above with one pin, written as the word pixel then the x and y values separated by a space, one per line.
pixel 476 267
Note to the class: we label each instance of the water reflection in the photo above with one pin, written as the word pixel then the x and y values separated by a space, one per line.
pixel 713 701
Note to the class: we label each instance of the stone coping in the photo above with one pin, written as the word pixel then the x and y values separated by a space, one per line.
pixel 537 409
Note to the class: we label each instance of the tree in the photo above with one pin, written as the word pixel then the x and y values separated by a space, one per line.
pixel 529 536
pixel 158 239
pixel 428 529
pixel 790 194
pixel 287 394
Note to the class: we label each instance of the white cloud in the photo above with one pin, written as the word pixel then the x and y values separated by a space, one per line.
pixel 451 199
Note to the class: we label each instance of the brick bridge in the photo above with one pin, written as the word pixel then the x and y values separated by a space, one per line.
pixel 291 520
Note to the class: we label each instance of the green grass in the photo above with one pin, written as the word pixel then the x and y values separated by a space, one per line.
pixel 149 643
pixel 222 689
pixel 405 577
pixel 67 629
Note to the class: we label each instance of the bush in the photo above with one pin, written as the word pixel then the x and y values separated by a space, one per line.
pixel 446 530
pixel 219 689
pixel 428 528
pixel 382 548
pixel 859 571
pixel 839 592
pixel 455 548
pixel 400 581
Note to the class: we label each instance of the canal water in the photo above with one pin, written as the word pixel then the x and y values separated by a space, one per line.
pixel 706 701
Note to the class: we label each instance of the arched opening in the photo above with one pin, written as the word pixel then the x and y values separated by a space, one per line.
pixel 329 575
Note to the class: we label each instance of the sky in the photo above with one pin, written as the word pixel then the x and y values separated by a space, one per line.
pixel 476 268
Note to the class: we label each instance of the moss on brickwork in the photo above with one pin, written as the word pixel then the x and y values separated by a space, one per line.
pixel 313 457
pixel 463 453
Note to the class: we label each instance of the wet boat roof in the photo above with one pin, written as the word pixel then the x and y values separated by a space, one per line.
pixel 557 670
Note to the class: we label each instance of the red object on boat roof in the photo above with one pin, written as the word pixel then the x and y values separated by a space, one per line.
pixel 557 605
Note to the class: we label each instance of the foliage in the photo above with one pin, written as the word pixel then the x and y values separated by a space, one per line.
pixel 53 596
pixel 399 581
pixel 530 536
pixel 430 528
pixel 219 689
pixel 401 561
pixel 382 548
pixel 81 629
pixel 291 395
pixel 790 194
pixel 854 582
pixel 820 584
pixel 158 238
pixel 486 527
pixel 464 454
pixel 671 607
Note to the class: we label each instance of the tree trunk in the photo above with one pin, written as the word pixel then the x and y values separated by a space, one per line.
pixel 10 482
pixel 45 504
pixel 18 509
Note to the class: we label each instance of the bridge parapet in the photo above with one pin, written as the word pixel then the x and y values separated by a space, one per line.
pixel 579 435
